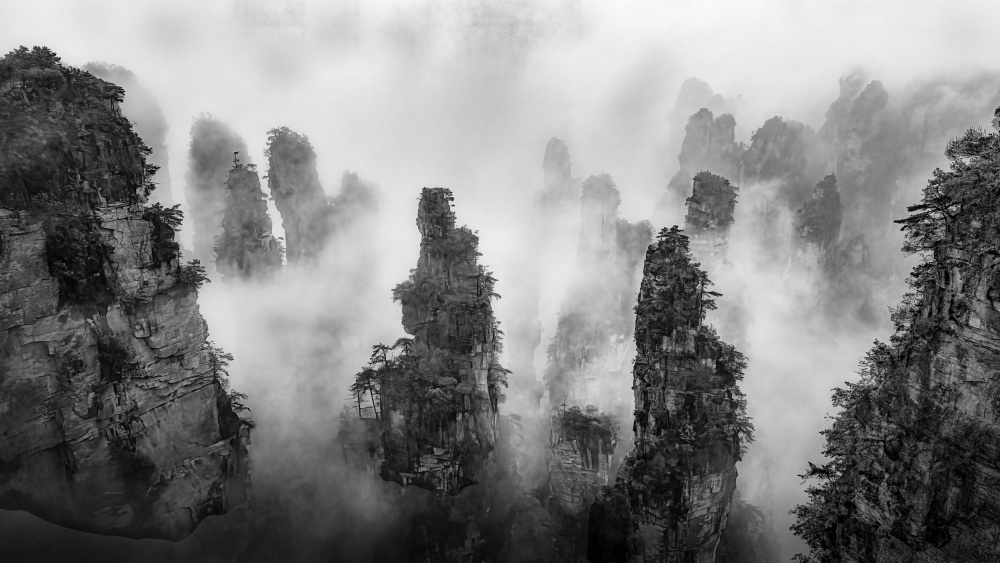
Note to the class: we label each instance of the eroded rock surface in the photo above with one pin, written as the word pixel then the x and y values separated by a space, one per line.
pixel 915 468
pixel 709 145
pixel 111 418
pixel 246 249
pixel 298 194
pixel 709 215
pixel 674 490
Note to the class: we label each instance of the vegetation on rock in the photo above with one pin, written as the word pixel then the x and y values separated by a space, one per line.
pixel 902 442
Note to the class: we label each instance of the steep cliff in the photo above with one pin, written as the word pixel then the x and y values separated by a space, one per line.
pixel 142 108
pixel 816 229
pixel 594 327
pixel 588 358
pixel 709 144
pixel 246 249
pixel 748 537
pixel 297 192
pixel 914 469
pixel 210 156
pixel 784 160
pixel 787 154
pixel 869 149
pixel 710 212
pixel 674 490
pixel 438 397
pixel 113 418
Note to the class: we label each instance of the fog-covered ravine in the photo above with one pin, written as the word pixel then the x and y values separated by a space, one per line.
pixel 555 281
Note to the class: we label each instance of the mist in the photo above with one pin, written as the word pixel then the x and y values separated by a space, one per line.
pixel 466 97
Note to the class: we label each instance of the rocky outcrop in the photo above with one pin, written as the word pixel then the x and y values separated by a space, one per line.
pixel 592 337
pixel 354 204
pixel 869 150
pixel 246 249
pixel 817 225
pixel 210 156
pixel 914 474
pixel 710 212
pixel 788 155
pixel 551 222
pixel 709 145
pixel 674 490
pixel 442 437
pixel 560 189
pixel 784 160
pixel 436 400
pixel 588 358
pixel 112 419
pixel 298 194
pixel 142 108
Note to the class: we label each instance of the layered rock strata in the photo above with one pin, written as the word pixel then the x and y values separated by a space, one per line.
pixel 674 490
pixel 914 473
pixel 441 438
pixel 111 417
pixel 246 249
pixel 710 212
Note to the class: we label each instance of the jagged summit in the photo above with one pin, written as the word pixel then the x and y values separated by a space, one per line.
pixel 709 145
pixel 246 249
pixel 294 184
pixel 674 490
pixel 710 211
pixel 210 157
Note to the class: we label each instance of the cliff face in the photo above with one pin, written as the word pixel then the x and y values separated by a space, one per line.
pixel 748 537
pixel 710 212
pixel 869 150
pixel 587 358
pixel 210 156
pixel 435 399
pixel 111 418
pixel 674 490
pixel 787 153
pixel 816 229
pixel 915 468
pixel 441 437
pixel 557 173
pixel 246 249
pixel 709 144
pixel 556 201
pixel 297 193
pixel 142 108
pixel 592 336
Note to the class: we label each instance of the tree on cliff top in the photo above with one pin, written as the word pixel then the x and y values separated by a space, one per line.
pixel 712 203
pixel 960 210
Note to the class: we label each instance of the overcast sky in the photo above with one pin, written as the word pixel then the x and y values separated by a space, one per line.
pixel 443 93
pixel 465 95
